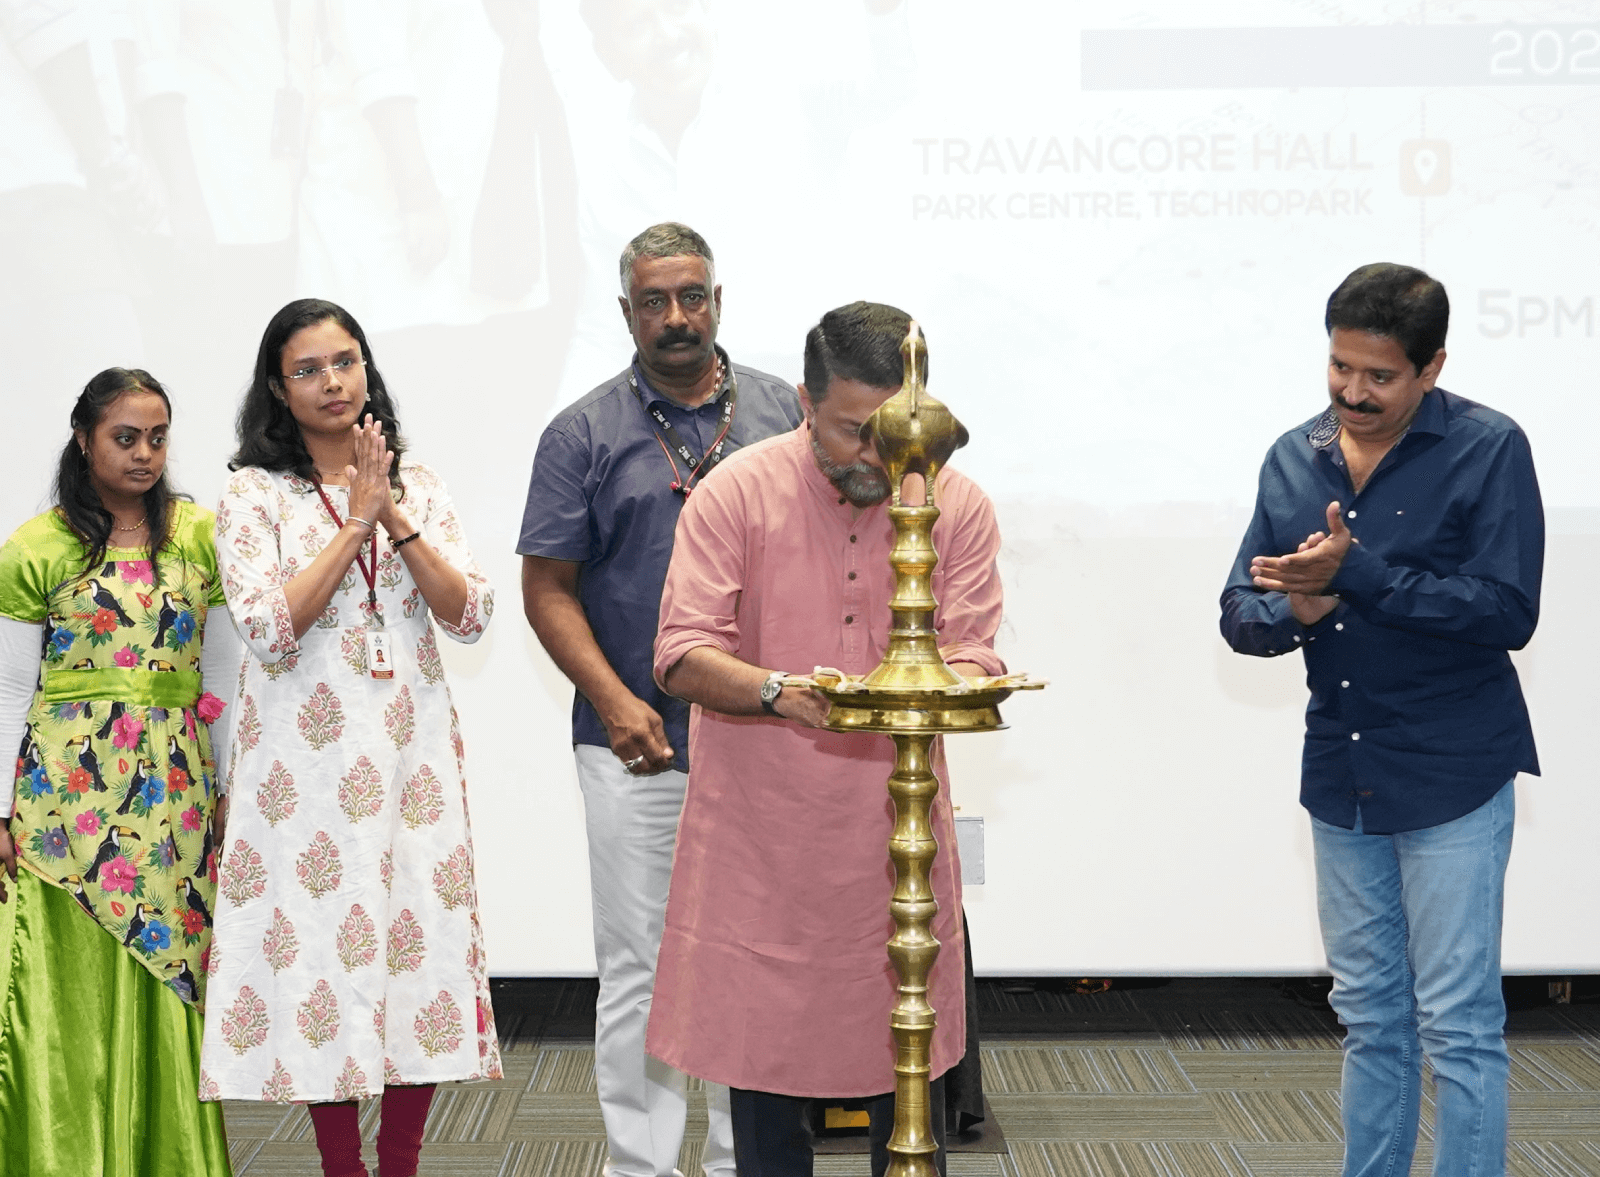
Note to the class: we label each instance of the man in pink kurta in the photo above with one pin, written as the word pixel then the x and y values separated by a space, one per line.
pixel 773 975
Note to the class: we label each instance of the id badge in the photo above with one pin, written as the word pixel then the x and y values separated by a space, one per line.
pixel 380 660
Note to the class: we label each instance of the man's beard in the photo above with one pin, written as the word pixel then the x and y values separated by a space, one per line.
pixel 863 485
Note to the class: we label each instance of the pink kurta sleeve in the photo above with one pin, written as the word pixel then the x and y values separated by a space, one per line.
pixel 700 603
pixel 969 590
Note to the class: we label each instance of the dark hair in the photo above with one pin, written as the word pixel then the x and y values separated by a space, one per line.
pixel 269 436
pixel 856 342
pixel 75 495
pixel 1398 301
pixel 668 239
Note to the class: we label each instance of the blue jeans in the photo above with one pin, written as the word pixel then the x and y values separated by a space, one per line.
pixel 1411 926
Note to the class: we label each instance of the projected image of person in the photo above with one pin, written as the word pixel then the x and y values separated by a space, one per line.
pixel 64 176
pixel 437 190
pixel 83 57
pixel 222 126
pixel 772 976
pixel 1398 541
pixel 350 954
pixel 529 183
pixel 706 106
pixel 111 623
pixel 400 104
pixel 611 475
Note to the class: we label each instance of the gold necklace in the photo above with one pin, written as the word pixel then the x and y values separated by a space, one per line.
pixel 135 527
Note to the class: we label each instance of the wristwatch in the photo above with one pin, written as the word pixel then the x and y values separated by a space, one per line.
pixel 770 690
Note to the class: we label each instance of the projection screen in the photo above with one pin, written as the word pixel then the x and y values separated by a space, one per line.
pixel 1118 224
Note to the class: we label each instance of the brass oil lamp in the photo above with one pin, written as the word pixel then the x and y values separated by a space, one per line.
pixel 913 697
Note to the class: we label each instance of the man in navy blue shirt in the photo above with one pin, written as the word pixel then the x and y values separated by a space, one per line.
pixel 1398 541
pixel 610 477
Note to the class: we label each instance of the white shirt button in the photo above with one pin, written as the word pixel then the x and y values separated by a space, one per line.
pixel 1355 735
pixel 1345 683
pixel 1399 512
pixel 1297 637
pixel 1338 625
pixel 1352 514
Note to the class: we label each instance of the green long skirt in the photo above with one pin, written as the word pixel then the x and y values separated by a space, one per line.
pixel 99 1061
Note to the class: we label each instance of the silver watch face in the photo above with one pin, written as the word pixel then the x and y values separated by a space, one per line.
pixel 771 689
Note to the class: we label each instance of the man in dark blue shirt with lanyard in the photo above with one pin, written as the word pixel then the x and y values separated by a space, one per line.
pixel 1398 540
pixel 610 476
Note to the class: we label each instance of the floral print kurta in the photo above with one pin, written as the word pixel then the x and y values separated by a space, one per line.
pixel 348 950
pixel 114 778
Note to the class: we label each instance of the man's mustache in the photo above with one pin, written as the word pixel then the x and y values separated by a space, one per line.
pixel 1364 407
pixel 676 336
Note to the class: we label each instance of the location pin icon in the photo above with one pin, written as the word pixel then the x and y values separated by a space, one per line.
pixel 1426 163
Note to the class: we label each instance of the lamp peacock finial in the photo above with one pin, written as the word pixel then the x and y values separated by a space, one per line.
pixel 913 432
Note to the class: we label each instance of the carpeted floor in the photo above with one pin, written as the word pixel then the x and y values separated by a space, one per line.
pixel 1220 1077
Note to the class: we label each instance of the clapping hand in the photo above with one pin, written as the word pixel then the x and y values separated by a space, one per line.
pixel 1306 573
pixel 369 477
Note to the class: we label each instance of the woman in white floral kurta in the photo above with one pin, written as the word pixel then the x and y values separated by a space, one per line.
pixel 348 955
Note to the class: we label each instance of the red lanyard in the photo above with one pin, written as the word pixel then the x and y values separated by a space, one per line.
pixel 369 574
pixel 698 467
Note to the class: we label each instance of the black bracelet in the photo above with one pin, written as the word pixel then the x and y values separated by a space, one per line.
pixel 397 544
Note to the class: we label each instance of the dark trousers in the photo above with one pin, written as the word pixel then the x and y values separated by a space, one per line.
pixel 772 1133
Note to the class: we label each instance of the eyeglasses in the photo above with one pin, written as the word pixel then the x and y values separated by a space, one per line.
pixel 337 368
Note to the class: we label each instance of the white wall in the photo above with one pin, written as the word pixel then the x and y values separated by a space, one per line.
pixel 1122 367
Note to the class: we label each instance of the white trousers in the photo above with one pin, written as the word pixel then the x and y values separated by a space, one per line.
pixel 632 824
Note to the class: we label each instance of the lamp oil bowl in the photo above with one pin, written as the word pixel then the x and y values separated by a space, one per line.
pixel 913 696
pixel 971 705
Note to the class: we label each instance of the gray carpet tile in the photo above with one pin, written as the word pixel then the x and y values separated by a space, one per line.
pixel 1288 1070
pixel 1262 1116
pixel 1553 1159
pixel 1206 1078
pixel 1555 1067
pixel 1295 1160
pixel 1101 1158
pixel 959 1164
pixel 1107 1069
pixel 1107 1117
pixel 550 1158
pixel 1242 1030
pixel 1556 1115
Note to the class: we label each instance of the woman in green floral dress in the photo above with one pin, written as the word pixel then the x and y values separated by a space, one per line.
pixel 112 809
